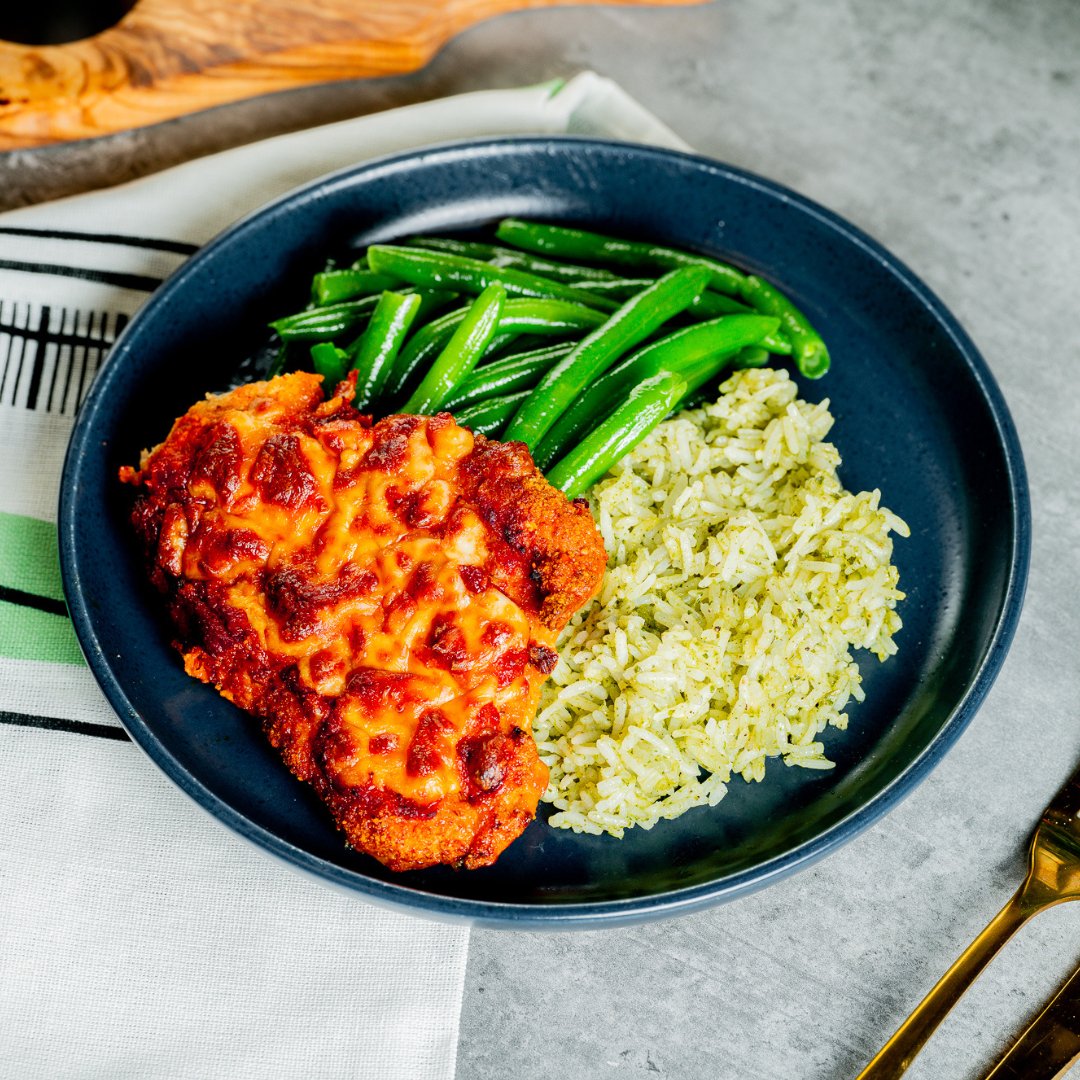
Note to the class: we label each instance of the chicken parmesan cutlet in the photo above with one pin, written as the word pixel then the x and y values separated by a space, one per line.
pixel 385 596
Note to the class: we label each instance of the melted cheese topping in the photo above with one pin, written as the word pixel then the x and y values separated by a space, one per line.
pixel 341 566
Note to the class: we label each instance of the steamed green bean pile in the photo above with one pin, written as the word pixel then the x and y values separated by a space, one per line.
pixel 575 343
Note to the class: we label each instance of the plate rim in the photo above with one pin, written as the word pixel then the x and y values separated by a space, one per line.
pixel 593 914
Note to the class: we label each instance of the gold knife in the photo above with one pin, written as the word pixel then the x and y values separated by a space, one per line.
pixel 1050 1045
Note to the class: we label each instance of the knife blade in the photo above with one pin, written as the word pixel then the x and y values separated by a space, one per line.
pixel 1050 1045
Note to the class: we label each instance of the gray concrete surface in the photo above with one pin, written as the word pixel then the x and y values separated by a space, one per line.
pixel 950 131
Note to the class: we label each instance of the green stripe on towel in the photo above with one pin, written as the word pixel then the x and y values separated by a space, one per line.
pixel 30 566
pixel 28 634
pixel 29 560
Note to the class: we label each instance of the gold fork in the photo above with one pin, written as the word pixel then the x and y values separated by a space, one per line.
pixel 1053 877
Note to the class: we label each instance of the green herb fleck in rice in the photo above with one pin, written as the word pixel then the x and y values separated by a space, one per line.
pixel 741 575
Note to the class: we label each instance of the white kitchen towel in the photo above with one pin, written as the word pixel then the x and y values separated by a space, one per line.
pixel 139 938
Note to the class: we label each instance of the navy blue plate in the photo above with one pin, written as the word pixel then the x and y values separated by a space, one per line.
pixel 918 416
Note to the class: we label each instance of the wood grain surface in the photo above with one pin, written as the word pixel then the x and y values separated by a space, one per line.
pixel 167 58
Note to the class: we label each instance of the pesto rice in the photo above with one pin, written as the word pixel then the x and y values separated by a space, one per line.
pixel 740 577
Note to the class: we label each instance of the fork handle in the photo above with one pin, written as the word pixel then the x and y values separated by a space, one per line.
pixel 899 1052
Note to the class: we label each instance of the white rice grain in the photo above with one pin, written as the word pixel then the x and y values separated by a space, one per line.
pixel 741 575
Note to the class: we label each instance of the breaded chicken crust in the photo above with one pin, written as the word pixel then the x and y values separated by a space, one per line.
pixel 385 597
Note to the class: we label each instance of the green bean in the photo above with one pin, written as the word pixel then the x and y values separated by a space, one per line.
pixel 432 301
pixel 710 344
pixel 512 342
pixel 505 376
pixel 500 341
pixel 333 286
pixel 543 317
pixel 491 416
pixel 584 276
pixel 562 242
pixel 470 249
pixel 424 345
pixel 322 324
pixel 503 256
pixel 753 356
pixel 438 269
pixel 629 326
pixel 646 406
pixel 711 305
pixel 374 352
pixel 623 288
pixel 808 350
pixel 777 343
pixel 330 362
pixel 464 348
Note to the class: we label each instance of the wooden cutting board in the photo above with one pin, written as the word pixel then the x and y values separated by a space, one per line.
pixel 167 58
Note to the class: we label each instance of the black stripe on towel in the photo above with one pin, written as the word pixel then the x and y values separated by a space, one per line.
pixel 55 723
pixel 177 246
pixel 32 600
pixel 138 282
pixel 17 337
pixel 39 366
pixel 45 336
